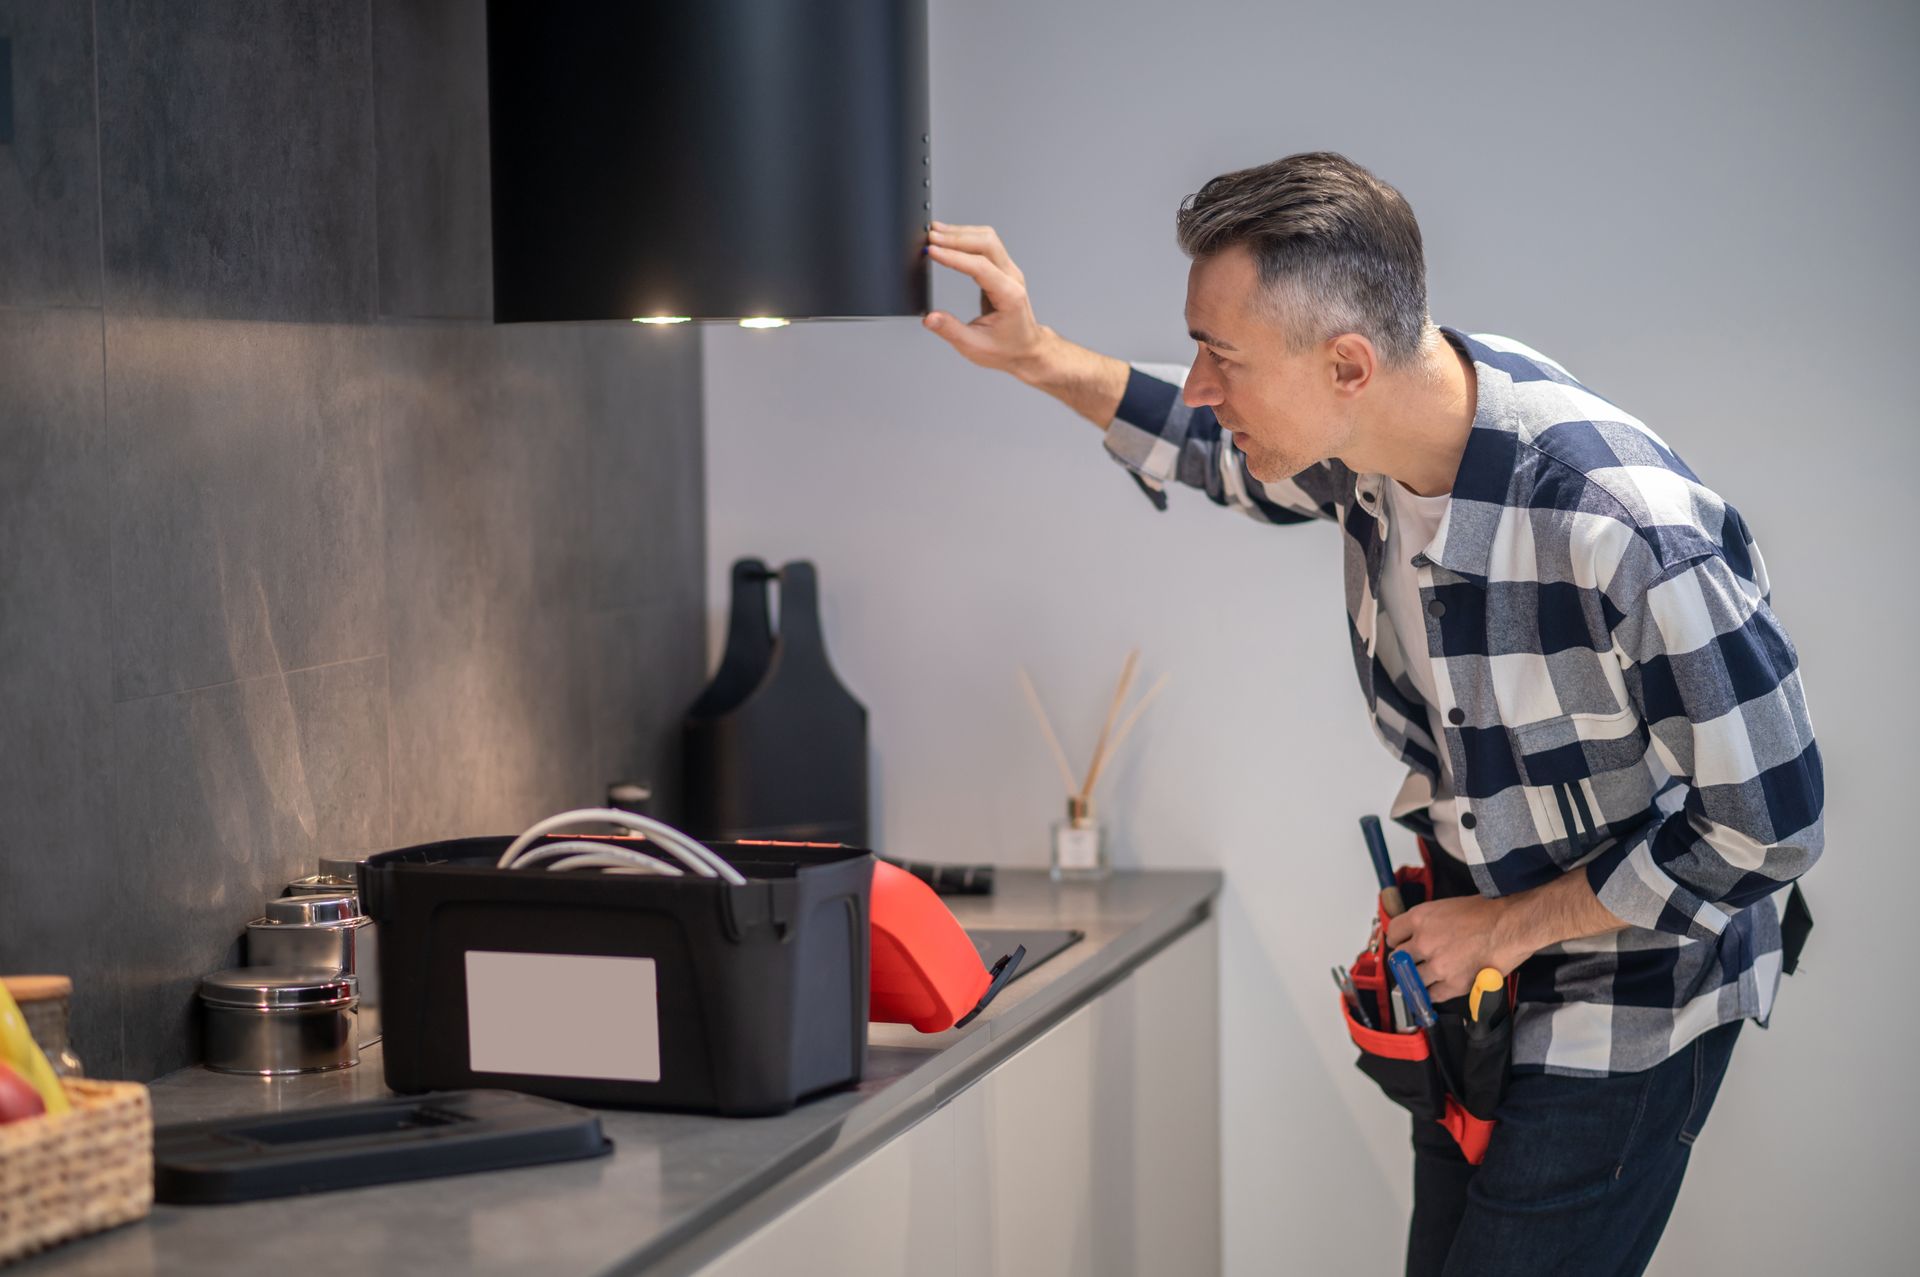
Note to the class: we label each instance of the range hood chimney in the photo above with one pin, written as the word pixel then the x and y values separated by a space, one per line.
pixel 708 159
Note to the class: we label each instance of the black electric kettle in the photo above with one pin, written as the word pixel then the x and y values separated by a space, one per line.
pixel 776 747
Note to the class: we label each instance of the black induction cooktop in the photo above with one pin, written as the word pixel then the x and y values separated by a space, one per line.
pixel 995 943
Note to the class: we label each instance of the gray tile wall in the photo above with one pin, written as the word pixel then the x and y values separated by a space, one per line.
pixel 299 555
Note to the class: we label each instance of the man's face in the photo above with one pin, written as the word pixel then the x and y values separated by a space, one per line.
pixel 1282 406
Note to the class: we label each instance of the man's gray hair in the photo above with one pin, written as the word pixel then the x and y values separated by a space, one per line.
pixel 1337 248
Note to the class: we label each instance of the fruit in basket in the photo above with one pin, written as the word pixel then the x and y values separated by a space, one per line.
pixel 24 1057
pixel 17 1099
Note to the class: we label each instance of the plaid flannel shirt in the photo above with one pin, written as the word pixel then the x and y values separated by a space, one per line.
pixel 1617 695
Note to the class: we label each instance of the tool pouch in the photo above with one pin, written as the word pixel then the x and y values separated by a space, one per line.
pixel 1402 1064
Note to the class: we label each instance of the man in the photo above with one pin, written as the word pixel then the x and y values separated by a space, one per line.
pixel 1563 634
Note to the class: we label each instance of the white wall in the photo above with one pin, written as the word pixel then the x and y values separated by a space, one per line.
pixel 1706 211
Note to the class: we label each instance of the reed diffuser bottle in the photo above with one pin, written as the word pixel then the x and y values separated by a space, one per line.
pixel 1079 843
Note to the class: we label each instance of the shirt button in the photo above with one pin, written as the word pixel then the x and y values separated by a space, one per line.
pixel 1436 608
pixel 1467 821
pixel 1456 716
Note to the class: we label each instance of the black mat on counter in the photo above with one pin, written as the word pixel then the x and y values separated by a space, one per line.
pixel 995 943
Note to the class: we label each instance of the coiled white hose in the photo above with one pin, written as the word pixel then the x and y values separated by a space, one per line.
pixel 701 859
pixel 573 853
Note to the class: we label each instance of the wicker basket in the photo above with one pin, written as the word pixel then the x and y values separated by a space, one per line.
pixel 67 1176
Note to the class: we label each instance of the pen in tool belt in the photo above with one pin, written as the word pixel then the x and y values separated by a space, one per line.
pixel 1382 866
pixel 1420 1007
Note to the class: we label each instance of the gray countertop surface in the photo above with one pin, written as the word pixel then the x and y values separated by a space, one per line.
pixel 678 1189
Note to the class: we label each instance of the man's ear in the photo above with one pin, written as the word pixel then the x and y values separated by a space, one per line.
pixel 1351 363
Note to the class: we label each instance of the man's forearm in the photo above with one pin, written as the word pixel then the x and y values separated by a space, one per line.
pixel 1085 380
pixel 1558 911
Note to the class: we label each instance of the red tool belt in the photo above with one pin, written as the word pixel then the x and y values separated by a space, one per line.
pixel 1477 1055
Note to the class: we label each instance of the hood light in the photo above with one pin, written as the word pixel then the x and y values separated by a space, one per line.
pixel 764 322
pixel 663 319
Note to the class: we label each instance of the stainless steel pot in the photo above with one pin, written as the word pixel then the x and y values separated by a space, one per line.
pixel 274 1020
pixel 321 885
pixel 336 874
pixel 322 931
pixel 347 867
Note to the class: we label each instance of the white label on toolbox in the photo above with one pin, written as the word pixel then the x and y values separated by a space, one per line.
pixel 563 1015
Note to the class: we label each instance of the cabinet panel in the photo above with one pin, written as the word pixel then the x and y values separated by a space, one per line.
pixel 1157 1150
pixel 1024 1140
pixel 1093 1152
pixel 1096 1150
pixel 888 1215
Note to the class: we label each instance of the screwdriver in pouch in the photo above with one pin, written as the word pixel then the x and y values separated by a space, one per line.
pixel 1390 898
pixel 1420 1009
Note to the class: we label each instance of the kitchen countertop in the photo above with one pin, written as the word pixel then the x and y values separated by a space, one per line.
pixel 679 1189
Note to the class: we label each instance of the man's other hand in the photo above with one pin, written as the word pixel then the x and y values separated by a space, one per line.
pixel 1451 940
pixel 1006 337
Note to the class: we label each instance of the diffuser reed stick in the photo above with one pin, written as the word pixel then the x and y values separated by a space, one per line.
pixel 1128 669
pixel 1078 846
pixel 1053 741
pixel 1119 737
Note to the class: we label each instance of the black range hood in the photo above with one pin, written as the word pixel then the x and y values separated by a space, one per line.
pixel 708 159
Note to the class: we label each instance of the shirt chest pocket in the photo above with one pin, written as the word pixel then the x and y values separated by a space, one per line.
pixel 1583 773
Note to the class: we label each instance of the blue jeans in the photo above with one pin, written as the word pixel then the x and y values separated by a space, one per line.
pixel 1579 1178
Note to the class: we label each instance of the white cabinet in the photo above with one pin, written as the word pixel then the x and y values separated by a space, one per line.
pixel 1094 1151
pixel 892 1213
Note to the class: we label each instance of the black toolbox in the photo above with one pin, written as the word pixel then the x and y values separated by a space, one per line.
pixel 624 989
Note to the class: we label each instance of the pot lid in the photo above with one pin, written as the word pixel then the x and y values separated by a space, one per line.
pixel 342 906
pixel 275 988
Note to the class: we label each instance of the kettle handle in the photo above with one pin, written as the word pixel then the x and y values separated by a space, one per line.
pixel 749 650
pixel 801 638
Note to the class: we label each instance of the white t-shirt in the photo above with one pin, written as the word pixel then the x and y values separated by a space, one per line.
pixel 1412 521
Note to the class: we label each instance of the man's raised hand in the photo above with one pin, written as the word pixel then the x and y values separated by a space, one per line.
pixel 1006 336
